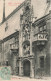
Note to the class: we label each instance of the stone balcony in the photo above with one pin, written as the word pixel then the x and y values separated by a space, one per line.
pixel 14 48
pixel 40 38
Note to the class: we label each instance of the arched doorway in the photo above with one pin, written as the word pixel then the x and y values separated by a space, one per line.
pixel 26 68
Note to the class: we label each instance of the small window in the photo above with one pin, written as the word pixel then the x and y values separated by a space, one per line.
pixel 16 39
pixel 42 62
pixel 6 27
pixel 41 29
pixel 7 63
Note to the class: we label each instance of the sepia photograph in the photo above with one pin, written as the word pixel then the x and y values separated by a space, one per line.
pixel 25 40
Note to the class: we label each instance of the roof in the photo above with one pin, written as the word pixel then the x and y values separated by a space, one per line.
pixel 11 36
pixel 42 19
pixel 14 11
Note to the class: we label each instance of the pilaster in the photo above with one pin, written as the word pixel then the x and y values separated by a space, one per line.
pixel 31 70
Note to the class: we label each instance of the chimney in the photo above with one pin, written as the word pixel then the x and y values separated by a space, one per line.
pixel 3 10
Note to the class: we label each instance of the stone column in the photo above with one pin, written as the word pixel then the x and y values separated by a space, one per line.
pixel 14 64
pixel 31 70
pixel 20 68
pixel 31 41
pixel 20 42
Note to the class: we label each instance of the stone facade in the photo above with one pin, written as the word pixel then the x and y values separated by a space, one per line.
pixel 26 45
pixel 10 50
pixel 41 45
pixel 26 55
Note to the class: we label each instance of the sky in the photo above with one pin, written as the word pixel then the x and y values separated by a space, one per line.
pixel 39 7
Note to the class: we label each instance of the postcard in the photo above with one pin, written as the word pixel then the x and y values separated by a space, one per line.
pixel 25 40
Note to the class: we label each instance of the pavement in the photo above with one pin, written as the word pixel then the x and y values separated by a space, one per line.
pixel 18 78
pixel 30 79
